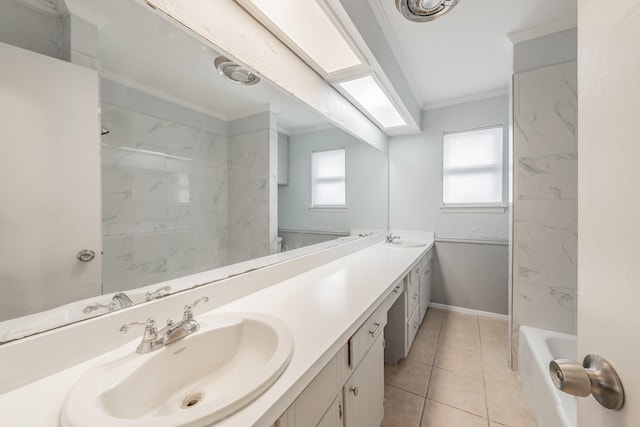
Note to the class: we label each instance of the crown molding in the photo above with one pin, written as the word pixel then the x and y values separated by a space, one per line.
pixel 543 30
pixel 465 99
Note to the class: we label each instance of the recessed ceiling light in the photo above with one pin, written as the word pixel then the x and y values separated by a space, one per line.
pixel 308 30
pixel 366 92
pixel 235 72
pixel 424 10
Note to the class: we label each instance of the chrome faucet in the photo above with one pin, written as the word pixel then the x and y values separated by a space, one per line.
pixel 118 301
pixel 391 238
pixel 122 300
pixel 158 293
pixel 153 339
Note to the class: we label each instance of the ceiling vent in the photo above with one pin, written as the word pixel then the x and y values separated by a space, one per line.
pixel 424 10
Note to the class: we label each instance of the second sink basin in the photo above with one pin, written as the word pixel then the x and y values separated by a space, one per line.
pixel 405 243
pixel 192 382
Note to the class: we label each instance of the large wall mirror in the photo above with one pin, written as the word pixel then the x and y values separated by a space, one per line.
pixel 155 169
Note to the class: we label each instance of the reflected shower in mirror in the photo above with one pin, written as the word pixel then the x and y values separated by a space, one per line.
pixel 141 152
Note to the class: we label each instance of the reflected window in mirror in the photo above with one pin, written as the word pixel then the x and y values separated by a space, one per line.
pixel 328 184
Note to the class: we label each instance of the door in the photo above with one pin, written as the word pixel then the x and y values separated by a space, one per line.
pixel 49 182
pixel 609 200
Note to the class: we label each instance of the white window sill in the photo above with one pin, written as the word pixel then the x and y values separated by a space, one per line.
pixel 336 209
pixel 484 209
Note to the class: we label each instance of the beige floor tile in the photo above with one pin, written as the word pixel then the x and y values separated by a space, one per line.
pixel 460 391
pixel 459 320
pixel 408 375
pixel 429 330
pixel 434 315
pixel 462 361
pixel 494 346
pixel 495 424
pixel 423 351
pixel 509 407
pixel 401 408
pixel 438 415
pixel 462 337
pixel 502 380
pixel 493 327
pixel 492 364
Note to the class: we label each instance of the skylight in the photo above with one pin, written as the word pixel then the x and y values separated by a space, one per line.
pixel 366 92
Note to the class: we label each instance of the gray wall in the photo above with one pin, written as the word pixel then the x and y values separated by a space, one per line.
pixel 366 180
pixel 545 186
pixel 416 198
pixel 23 27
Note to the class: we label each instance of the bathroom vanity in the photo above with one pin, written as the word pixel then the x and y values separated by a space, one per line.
pixel 334 302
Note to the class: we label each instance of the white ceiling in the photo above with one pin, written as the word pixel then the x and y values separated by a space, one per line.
pixel 466 52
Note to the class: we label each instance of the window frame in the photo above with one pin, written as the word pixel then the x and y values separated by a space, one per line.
pixel 479 207
pixel 327 207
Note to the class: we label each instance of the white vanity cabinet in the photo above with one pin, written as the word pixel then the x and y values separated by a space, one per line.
pixel 364 391
pixel 349 390
pixel 408 312
pixel 425 283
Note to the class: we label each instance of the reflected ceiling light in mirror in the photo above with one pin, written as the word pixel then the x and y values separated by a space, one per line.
pixel 307 28
pixel 235 72
pixel 368 94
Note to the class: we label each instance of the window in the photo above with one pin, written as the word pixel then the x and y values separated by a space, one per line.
pixel 328 178
pixel 472 167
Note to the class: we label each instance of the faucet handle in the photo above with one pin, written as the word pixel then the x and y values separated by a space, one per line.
pixel 150 330
pixel 188 309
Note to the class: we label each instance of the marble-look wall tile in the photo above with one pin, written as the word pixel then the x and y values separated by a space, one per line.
pixel 546 264
pixel 546 89
pixel 546 307
pixel 544 221
pixel 547 132
pixel 249 195
pixel 165 191
pixel 545 191
pixel 551 176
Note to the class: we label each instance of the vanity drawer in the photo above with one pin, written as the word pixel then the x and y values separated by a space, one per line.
pixel 414 274
pixel 412 328
pixel 413 296
pixel 364 337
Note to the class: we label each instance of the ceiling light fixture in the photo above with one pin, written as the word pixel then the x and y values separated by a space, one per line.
pixel 424 10
pixel 368 94
pixel 235 72
pixel 309 30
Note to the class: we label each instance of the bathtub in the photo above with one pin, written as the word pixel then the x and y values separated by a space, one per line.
pixel 537 347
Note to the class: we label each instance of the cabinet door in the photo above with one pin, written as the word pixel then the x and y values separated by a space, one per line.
pixel 364 392
pixel 334 417
pixel 425 286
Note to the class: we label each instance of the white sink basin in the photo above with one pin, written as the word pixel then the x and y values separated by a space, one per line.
pixel 406 243
pixel 194 381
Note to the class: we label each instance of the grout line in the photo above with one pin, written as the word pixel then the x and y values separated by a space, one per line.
pixel 484 382
pixel 424 404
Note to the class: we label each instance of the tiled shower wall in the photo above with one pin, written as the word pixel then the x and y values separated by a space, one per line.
pixel 253 185
pixel 545 199
pixel 180 195
pixel 164 199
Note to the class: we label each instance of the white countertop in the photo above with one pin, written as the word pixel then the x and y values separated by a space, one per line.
pixel 322 307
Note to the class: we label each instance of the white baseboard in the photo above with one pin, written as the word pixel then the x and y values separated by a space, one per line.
pixel 468 311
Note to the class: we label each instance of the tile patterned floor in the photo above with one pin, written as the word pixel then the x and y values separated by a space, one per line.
pixel 456 375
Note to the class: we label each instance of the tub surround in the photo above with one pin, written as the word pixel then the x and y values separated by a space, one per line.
pixel 323 298
pixel 545 182
pixel 537 348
